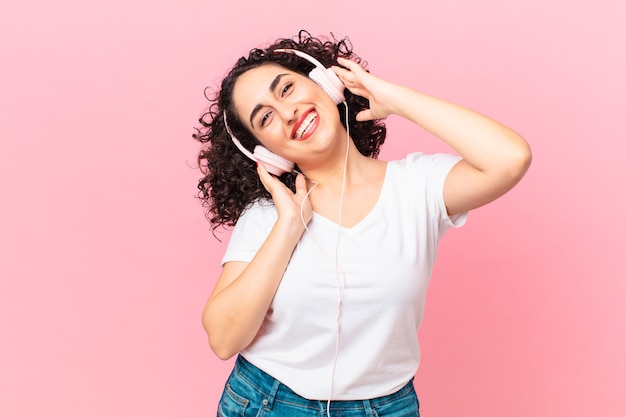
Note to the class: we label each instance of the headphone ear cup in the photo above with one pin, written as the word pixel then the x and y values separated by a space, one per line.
pixel 274 164
pixel 329 82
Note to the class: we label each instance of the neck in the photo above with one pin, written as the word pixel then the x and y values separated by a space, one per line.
pixel 329 171
pixel 329 176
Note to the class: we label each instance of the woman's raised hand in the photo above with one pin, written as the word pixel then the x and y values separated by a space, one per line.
pixel 288 204
pixel 360 82
pixel 244 291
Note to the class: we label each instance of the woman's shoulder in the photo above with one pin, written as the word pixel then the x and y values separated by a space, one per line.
pixel 259 210
pixel 254 224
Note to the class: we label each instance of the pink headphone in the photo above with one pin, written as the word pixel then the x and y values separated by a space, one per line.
pixel 323 77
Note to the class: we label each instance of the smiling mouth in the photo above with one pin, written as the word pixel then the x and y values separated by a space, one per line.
pixel 306 125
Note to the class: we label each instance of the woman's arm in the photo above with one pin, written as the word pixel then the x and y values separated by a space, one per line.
pixel 495 157
pixel 243 293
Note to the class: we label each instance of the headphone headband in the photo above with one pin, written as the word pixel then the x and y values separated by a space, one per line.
pixel 302 55
pixel 324 77
pixel 236 141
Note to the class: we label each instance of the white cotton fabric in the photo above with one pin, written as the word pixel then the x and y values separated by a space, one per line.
pixel 387 260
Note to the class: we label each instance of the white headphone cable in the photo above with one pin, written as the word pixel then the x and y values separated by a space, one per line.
pixel 340 276
pixel 339 271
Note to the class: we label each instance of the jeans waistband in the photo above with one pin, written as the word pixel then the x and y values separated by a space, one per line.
pixel 274 390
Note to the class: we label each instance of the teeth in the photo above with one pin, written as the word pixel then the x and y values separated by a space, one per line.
pixel 306 124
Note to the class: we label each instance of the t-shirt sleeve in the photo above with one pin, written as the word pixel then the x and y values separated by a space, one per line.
pixel 250 232
pixel 432 170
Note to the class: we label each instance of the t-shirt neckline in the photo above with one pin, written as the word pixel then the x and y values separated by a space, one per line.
pixel 371 214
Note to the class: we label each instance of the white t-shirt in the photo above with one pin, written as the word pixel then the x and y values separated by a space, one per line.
pixel 386 260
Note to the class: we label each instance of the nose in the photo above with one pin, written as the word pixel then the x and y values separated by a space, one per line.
pixel 288 112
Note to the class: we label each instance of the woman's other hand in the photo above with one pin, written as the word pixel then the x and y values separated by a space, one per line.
pixel 290 206
pixel 360 82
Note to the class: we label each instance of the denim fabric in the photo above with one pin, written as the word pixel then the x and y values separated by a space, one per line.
pixel 250 392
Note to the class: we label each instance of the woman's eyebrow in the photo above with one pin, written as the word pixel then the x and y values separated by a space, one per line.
pixel 273 86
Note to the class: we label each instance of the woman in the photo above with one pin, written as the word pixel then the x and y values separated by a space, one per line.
pixel 324 278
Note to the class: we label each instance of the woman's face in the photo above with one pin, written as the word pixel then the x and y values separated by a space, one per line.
pixel 287 112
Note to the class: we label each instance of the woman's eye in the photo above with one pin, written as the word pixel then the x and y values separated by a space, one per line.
pixel 264 118
pixel 285 89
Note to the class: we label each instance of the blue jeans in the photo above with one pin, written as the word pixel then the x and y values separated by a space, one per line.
pixel 250 392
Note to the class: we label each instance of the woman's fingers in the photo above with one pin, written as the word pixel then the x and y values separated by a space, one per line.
pixel 303 201
pixel 284 199
pixel 301 188
pixel 351 65
pixel 367 85
pixel 365 115
pixel 348 79
pixel 266 177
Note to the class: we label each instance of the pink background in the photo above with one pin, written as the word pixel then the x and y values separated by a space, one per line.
pixel 106 259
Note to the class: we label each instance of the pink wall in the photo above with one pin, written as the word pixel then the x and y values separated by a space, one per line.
pixel 106 259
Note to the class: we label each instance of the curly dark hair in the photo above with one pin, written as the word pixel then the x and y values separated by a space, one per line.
pixel 231 183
